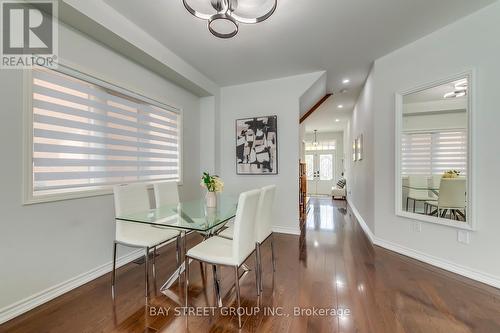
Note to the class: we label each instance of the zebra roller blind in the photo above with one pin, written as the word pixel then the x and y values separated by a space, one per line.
pixel 433 153
pixel 86 136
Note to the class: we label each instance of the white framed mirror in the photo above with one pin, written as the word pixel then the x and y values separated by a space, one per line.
pixel 434 152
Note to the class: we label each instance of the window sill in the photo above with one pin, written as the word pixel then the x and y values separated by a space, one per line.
pixel 72 195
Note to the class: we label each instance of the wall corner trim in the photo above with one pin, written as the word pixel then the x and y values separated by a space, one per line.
pixel 11 311
pixel 464 271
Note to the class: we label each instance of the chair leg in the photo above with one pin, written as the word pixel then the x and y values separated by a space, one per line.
pixel 146 274
pixel 273 256
pixel 202 271
pixel 414 204
pixel 237 285
pixel 258 271
pixel 154 268
pixel 113 274
pixel 407 202
pixel 186 284
pixel 218 299
pixel 177 250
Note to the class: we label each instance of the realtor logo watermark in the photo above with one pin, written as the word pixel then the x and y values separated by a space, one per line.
pixel 29 33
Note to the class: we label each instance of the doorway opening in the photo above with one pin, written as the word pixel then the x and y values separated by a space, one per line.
pixel 320 168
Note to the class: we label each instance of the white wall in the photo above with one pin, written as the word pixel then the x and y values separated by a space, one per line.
pixel 433 106
pixel 469 43
pixel 47 244
pixel 312 95
pixel 302 146
pixel 207 144
pixel 421 122
pixel 273 97
pixel 360 175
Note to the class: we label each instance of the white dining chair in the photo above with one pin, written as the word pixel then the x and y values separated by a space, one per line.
pixel 226 252
pixel 418 191
pixel 263 230
pixel 131 199
pixel 227 230
pixel 166 193
pixel 452 197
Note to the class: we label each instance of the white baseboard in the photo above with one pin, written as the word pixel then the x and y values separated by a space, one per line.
pixel 440 263
pixel 362 222
pixel 11 311
pixel 467 272
pixel 286 230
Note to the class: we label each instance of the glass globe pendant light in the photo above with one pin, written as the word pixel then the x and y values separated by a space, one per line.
pixel 224 16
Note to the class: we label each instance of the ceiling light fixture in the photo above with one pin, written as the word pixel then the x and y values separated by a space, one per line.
pixel 315 142
pixel 346 81
pixel 337 120
pixel 224 16
pixel 460 90
pixel 340 106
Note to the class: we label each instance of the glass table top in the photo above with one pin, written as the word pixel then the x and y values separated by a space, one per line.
pixel 188 215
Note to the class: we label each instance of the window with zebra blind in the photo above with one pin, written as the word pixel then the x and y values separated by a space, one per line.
pixel 86 135
pixel 433 153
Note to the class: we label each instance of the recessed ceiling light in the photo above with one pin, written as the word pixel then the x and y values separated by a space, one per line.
pixel 340 106
pixel 346 81
pixel 337 120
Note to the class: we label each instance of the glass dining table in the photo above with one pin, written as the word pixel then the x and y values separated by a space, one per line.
pixel 187 217
pixel 431 188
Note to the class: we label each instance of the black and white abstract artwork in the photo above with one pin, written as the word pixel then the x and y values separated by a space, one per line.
pixel 257 146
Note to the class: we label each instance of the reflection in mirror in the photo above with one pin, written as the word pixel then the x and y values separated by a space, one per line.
pixel 434 151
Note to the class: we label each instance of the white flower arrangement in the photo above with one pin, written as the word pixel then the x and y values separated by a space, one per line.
pixel 212 183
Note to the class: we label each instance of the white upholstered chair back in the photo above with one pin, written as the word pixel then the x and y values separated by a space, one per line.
pixel 129 199
pixel 166 193
pixel 436 181
pixel 263 223
pixel 452 193
pixel 417 186
pixel 244 225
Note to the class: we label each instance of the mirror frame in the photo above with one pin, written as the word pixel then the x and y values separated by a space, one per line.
pixel 471 219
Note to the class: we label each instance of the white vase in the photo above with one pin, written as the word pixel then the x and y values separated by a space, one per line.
pixel 211 199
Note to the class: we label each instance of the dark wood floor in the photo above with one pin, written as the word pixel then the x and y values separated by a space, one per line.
pixel 331 265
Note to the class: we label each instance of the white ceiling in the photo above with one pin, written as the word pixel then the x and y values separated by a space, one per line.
pixel 342 37
pixel 432 94
pixel 324 118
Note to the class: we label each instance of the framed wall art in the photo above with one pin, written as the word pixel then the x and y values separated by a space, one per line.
pixel 257 146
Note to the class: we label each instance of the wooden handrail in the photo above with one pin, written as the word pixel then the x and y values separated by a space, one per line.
pixel 314 108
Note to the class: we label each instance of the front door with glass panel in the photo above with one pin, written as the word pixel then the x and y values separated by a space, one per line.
pixel 320 171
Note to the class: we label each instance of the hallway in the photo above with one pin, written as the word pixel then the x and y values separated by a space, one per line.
pixel 387 292
pixel 330 266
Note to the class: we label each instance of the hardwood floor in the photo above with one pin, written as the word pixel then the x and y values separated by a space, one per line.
pixel 331 265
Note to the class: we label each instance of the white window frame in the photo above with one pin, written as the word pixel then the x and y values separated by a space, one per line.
pixel 28 197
